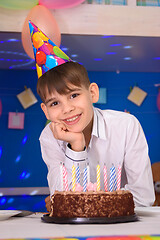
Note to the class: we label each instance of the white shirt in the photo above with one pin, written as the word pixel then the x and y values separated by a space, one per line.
pixel 117 139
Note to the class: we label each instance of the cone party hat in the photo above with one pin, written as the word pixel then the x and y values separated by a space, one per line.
pixel 47 54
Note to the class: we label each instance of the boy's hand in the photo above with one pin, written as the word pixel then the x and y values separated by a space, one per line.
pixel 76 140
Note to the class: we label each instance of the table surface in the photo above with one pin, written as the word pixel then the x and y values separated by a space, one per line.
pixel 33 227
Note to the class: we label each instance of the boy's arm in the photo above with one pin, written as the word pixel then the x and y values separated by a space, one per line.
pixel 137 165
pixel 56 152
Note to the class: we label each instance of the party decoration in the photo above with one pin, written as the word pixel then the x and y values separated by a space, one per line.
pixel 54 4
pixel 18 4
pixel 158 100
pixel 47 54
pixel 125 110
pixel 27 98
pixel 73 178
pixel 42 17
pixel 47 121
pixel 119 177
pixel 114 179
pixel 78 188
pixel 113 184
pixel 102 96
pixel 65 180
pixel 105 178
pixel 137 96
pixel 98 177
pixel 88 173
pixel 0 107
pixel 61 176
pixel 92 186
pixel 85 180
pixel 15 120
pixel 77 174
pixel 111 187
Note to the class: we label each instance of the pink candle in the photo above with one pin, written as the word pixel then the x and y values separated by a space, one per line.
pixel 61 176
pixel 105 178
pixel 65 180
pixel 119 177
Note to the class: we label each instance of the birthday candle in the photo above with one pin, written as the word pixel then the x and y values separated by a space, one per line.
pixel 105 177
pixel 61 175
pixel 114 179
pixel 73 178
pixel 119 177
pixel 85 180
pixel 65 180
pixel 111 180
pixel 88 173
pixel 98 177
pixel 77 174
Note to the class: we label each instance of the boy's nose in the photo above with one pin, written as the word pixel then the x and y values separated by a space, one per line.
pixel 67 107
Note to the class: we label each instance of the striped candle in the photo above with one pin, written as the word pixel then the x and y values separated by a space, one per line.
pixel 77 174
pixel 65 180
pixel 73 178
pixel 98 177
pixel 88 173
pixel 114 179
pixel 85 180
pixel 105 177
pixel 111 179
pixel 61 176
pixel 119 177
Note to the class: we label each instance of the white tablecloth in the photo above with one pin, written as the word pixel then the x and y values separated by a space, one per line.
pixel 32 227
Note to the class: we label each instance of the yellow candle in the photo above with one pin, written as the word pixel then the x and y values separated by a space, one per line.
pixel 98 177
pixel 73 178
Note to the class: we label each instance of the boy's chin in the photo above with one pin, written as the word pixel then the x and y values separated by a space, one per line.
pixel 74 129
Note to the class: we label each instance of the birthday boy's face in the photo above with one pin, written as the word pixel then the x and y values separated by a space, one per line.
pixel 73 109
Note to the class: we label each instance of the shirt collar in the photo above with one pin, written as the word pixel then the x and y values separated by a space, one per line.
pixel 99 129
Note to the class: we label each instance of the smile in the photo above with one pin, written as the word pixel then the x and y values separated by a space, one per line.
pixel 72 120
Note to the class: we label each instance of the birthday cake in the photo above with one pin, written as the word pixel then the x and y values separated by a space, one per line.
pixel 90 204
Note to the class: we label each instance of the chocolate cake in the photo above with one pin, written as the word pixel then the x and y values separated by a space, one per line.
pixel 92 204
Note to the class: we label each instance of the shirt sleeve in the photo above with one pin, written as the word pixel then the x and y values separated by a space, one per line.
pixel 53 154
pixel 137 165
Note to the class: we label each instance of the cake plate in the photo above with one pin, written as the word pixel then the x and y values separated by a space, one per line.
pixel 102 220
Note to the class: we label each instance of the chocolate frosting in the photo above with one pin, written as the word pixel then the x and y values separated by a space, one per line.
pixel 92 204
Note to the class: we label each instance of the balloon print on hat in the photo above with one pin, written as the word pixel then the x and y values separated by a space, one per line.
pixel 44 19
pixel 47 54
pixel 40 58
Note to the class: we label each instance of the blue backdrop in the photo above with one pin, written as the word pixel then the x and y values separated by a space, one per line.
pixel 21 164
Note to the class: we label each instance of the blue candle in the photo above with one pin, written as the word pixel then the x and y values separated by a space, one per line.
pixel 85 180
pixel 114 179
pixel 111 179
pixel 77 174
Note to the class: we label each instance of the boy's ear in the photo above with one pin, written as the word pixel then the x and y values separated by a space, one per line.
pixel 94 91
pixel 44 108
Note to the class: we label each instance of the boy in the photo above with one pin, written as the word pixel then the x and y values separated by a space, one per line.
pixel 81 134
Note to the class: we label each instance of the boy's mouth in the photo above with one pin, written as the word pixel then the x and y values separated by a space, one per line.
pixel 72 120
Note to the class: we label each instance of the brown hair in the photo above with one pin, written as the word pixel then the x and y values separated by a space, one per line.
pixel 59 78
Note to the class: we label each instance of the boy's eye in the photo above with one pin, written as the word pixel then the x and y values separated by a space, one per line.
pixel 74 95
pixel 54 103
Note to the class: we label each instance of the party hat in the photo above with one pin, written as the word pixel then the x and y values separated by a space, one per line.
pixel 47 54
